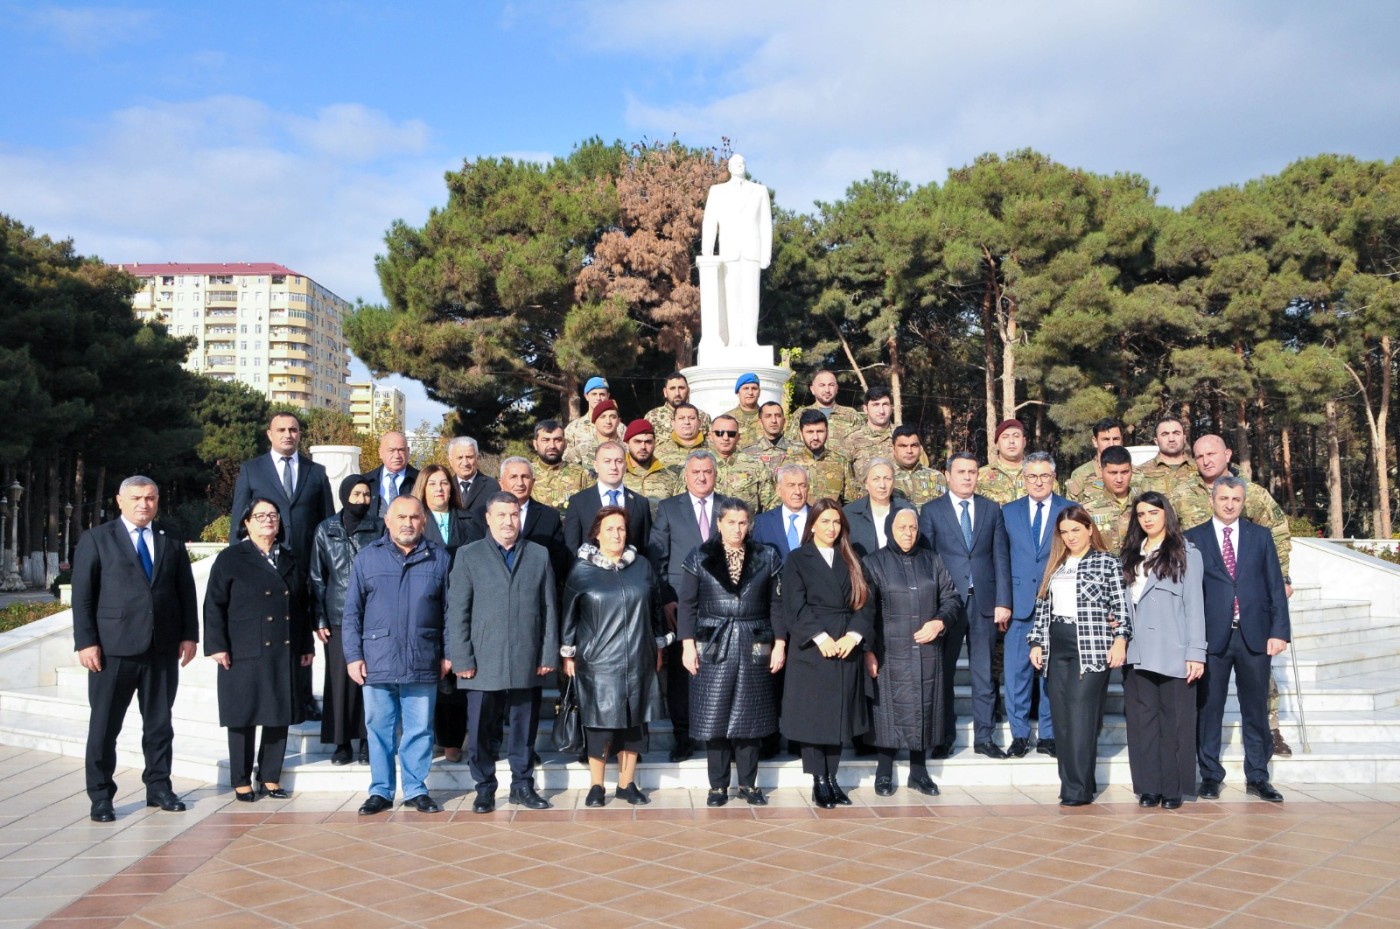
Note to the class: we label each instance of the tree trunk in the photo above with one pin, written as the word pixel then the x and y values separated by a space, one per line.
pixel 989 357
pixel 1007 330
pixel 1335 523
pixel 1376 426
pixel 851 358
pixel 53 541
pixel 1286 443
pixel 99 498
pixel 896 379
pixel 946 411
pixel 79 503
pixel 1243 454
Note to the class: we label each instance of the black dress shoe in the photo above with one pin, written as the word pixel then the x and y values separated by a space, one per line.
pixel 884 787
pixel 485 803
pixel 276 793
pixel 597 796
pixel 718 796
pixel 363 757
pixel 941 752
pixel 1264 791
pixel 1210 790
pixel 423 804
pixel 246 796
pixel 1046 747
pixel 173 804
pixel 342 755
pixel 1019 748
pixel 821 793
pixel 753 796
pixel 1075 802
pixel 102 812
pixel 528 798
pixel 632 794
pixel 683 751
pixel 837 794
pixel 924 784
pixel 990 749
pixel 1149 800
pixel 375 804
pixel 311 710
pixel 1171 803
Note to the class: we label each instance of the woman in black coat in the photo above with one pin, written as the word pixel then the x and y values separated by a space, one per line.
pixel 728 599
pixel 611 641
pixel 333 551
pixel 915 603
pixel 827 617
pixel 256 629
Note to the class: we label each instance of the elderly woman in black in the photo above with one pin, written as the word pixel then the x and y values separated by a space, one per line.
pixel 338 540
pixel 915 603
pixel 256 629
pixel 729 599
pixel 826 610
pixel 613 633
pixel 1082 627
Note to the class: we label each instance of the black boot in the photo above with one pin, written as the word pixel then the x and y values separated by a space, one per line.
pixel 821 793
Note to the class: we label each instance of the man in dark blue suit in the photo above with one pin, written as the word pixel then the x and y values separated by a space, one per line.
pixel 782 526
pixel 1030 527
pixel 303 494
pixel 394 477
pixel 1247 624
pixel 967 531
pixel 135 624
pixel 683 522
pixel 610 464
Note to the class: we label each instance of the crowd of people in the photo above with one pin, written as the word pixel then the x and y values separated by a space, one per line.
pixel 767 582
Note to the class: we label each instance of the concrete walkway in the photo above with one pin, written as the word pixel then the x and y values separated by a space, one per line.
pixel 1329 856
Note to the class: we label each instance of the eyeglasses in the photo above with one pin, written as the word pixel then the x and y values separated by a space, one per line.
pixel 1039 478
pixel 727 433
pixel 265 517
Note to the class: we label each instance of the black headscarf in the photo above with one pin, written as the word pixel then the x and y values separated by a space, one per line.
pixel 351 514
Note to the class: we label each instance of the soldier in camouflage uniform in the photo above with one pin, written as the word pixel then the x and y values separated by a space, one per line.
pixel 555 481
pixel 1107 433
pixel 841 420
pixel 645 474
pixel 578 430
pixel 685 437
pixel 1111 506
pixel 872 438
pixel 676 392
pixel 746 413
pixel 1173 465
pixel 772 446
pixel 607 427
pixel 737 474
pixel 1001 479
pixel 828 471
pixel 913 481
pixel 1191 501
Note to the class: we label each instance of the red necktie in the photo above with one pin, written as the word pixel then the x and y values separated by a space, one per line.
pixel 1228 550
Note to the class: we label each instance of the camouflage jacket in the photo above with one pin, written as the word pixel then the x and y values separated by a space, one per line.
pixel 745 477
pixel 1191 501
pixel 750 429
pixel 662 419
pixel 919 485
pixel 772 455
pixel 1111 515
pixel 840 422
pixel 866 443
pixel 583 451
pixel 672 454
pixel 1001 482
pixel 578 430
pixel 1086 481
pixel 555 484
pixel 827 476
pixel 1162 477
pixel 656 482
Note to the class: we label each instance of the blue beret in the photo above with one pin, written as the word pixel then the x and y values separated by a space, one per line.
pixel 595 383
pixel 745 379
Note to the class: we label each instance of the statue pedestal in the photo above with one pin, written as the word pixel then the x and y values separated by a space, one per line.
pixel 340 462
pixel 712 386
pixel 713 352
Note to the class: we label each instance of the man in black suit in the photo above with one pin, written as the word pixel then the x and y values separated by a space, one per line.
pixel 303 492
pixel 610 464
pixel 135 624
pixel 782 527
pixel 1247 624
pixel 473 487
pixel 539 523
pixel 394 477
pixel 968 532
pixel 683 522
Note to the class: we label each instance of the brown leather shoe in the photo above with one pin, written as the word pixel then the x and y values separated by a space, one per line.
pixel 1280 746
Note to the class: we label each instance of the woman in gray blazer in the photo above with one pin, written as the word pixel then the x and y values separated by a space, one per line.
pixel 1167 654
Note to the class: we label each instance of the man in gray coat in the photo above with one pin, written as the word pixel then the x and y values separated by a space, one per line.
pixel 503 636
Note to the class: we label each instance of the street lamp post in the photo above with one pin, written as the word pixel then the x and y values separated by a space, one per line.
pixel 67 529
pixel 13 580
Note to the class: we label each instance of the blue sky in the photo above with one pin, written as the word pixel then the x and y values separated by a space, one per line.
pixel 298 132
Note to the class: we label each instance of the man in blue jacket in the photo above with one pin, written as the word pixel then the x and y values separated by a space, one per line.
pixel 395 646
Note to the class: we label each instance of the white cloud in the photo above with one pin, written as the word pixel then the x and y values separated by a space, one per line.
pixel 83 28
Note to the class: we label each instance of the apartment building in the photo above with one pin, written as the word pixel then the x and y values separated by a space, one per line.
pixel 376 408
pixel 264 324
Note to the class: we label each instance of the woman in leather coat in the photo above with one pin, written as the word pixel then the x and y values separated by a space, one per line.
pixel 613 633
pixel 333 551
pixel 916 601
pixel 729 598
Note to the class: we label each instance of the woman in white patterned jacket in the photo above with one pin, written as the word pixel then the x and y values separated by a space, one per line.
pixel 1082 627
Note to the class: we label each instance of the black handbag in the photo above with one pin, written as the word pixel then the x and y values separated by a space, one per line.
pixel 567 734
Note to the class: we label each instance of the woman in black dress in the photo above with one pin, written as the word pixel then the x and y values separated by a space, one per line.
pixel 256 629
pixel 915 602
pixel 729 599
pixel 826 607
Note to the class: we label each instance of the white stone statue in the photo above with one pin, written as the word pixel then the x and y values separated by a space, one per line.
pixel 739 219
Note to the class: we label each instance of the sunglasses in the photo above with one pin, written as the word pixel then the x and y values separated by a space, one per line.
pixel 727 433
